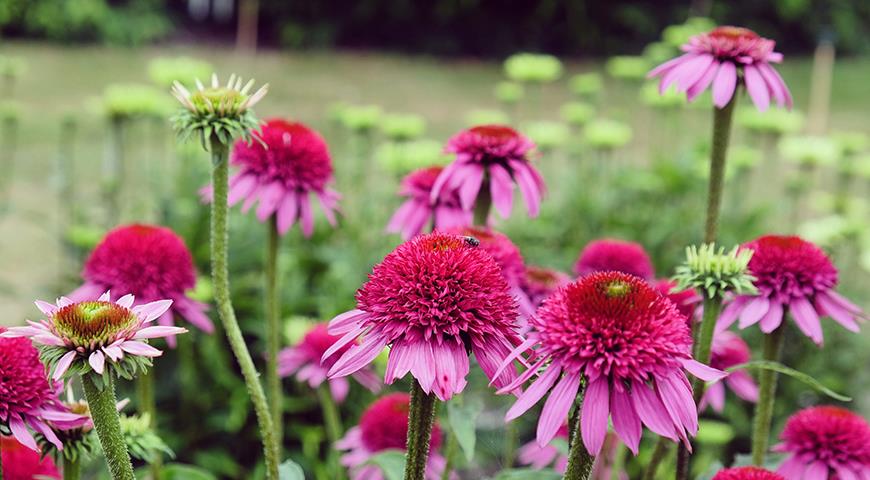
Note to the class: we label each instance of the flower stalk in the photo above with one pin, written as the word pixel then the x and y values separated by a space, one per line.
pixel 72 470
pixel 772 351
pixel 273 328
pixel 421 418
pixel 220 279
pixel 147 405
pixel 102 404
pixel 333 428
pixel 580 461
pixel 722 119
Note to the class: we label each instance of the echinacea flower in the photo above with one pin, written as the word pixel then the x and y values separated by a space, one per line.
pixel 728 350
pixel 420 211
pixel 687 301
pixel 609 254
pixel 631 346
pixel 303 360
pixel 746 473
pixel 497 153
pixel 22 463
pixel 384 426
pixel 149 262
pixel 791 275
pixel 27 398
pixel 825 442
pixel 434 299
pixel 540 282
pixel 85 336
pixel 722 58
pixel 289 163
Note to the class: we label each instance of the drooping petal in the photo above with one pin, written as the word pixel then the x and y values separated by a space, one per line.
pixel 305 215
pixel 557 406
pixel 63 364
pixel 140 348
pixel 126 301
pixel 97 360
pixel 158 332
pixel 20 432
pixel 827 306
pixel 724 84
pixel 757 87
pixel 339 387
pixel 704 372
pixel 743 386
pixel 593 417
pixel 773 318
pixel 703 82
pixel 807 319
pixel 349 336
pixel 502 190
pixel 626 422
pixel 677 399
pixel 359 356
pixel 399 362
pixel 535 392
pixel 651 411
pixel 754 311
pixel 150 311
pixel 730 313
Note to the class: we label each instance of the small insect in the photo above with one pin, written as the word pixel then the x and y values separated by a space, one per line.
pixel 471 241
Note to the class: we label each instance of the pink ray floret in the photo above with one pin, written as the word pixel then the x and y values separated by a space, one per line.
pixel 610 254
pixel 725 58
pixel 792 276
pixel 384 426
pixel 728 350
pixel 497 153
pixel 420 212
pixel 28 401
pixel 279 171
pixel 825 442
pixel 151 263
pixel 97 332
pixel 630 345
pixel 303 361
pixel 434 299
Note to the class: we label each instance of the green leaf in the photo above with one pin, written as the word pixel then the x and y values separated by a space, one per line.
pixel 391 462
pixel 800 376
pixel 462 417
pixel 290 470
pixel 178 471
pixel 527 474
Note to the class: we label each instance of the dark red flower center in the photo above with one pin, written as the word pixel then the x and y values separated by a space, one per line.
pixel 495 132
pixel 733 33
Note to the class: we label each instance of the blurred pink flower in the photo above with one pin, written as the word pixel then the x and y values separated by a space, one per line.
pixel 21 463
pixel 722 58
pixel 539 282
pixel 420 211
pixel 609 254
pixel 746 473
pixel 728 350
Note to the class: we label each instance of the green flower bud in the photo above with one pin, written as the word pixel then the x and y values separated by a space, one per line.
pixel 714 272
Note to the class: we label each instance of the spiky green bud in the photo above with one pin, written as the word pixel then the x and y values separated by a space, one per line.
pixel 714 272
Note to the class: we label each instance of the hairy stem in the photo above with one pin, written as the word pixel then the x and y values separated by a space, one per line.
pixel 421 417
pixel 721 132
pixel 72 470
pixel 510 444
pixel 662 449
pixel 580 461
pixel 108 426
pixel 220 279
pixel 766 396
pixel 147 405
pixel 273 329
pixel 334 432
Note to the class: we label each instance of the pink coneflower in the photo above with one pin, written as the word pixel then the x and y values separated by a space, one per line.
pixel 746 473
pixel 287 163
pixel 795 275
pixel 539 283
pixel 304 361
pixel 22 463
pixel 723 57
pixel 610 254
pixel 92 332
pixel 433 299
pixel 27 399
pixel 728 350
pixel 687 301
pixel 384 426
pixel 630 343
pixel 542 456
pixel 498 153
pixel 150 263
pixel 419 210
pixel 825 442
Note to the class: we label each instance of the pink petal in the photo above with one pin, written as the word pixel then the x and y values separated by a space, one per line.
pixel 793 467
pixel 114 352
pixel 528 187
pixel 399 361
pixel 241 187
pixel 158 332
pixel 287 213
pixel 346 322
pixel 827 306
pixel 46 308
pixel 557 406
pixel 63 364
pixel 743 386
pixel 339 388
pixel 520 380
pixel 126 301
pixel 715 396
pixel 270 197
pixel 399 217
pixel 626 422
pixel 724 84
pixel 150 311
pixel 692 74
pixel 451 368
pixel 651 410
pixel 443 177
pixel 422 363
pixel 502 189
pixel 757 87
pixel 47 339
pixel 97 361
pixel 470 185
pixel 20 432
pixel 687 66
pixel 777 85
pixel 306 218
pixel 754 311
pixel 141 349
pixel 593 417
pixel 703 82
pixel 535 392
pixel 327 207
pixel 348 337
pixel 817 470
pixel 194 312
pixel 773 318
pixel 509 360
pixel 489 354
pixel 677 398
pixel 807 319
pixel 105 297
pixel 730 313
pixel 359 356
pixel 704 372
pixel 663 68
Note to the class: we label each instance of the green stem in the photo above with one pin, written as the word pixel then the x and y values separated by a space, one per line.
pixel 72 470
pixel 766 396
pixel 220 279
pixel 449 454
pixel 273 329
pixel 483 204
pixel 618 461
pixel 721 132
pixel 662 449
pixel 332 420
pixel 147 405
pixel 510 444
pixel 421 417
pixel 580 461
pixel 108 425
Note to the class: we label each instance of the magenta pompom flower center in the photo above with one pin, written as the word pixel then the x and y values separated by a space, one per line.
pixel 93 324
pixel 833 436
pixel 24 386
pixel 790 267
pixel 747 473
pixel 735 43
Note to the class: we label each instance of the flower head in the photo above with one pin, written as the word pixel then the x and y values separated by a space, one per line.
pixel 304 361
pixel 218 112
pixel 27 399
pixel 746 473
pixel 384 426
pixel 433 299
pixel 723 57
pixel 288 164
pixel 22 463
pixel 419 210
pixel 150 263
pixel 498 153
pixel 631 345
pixel 825 442
pixel 609 254
pixel 795 275
pixel 728 350
pixel 540 282
pixel 84 336
pixel 714 272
